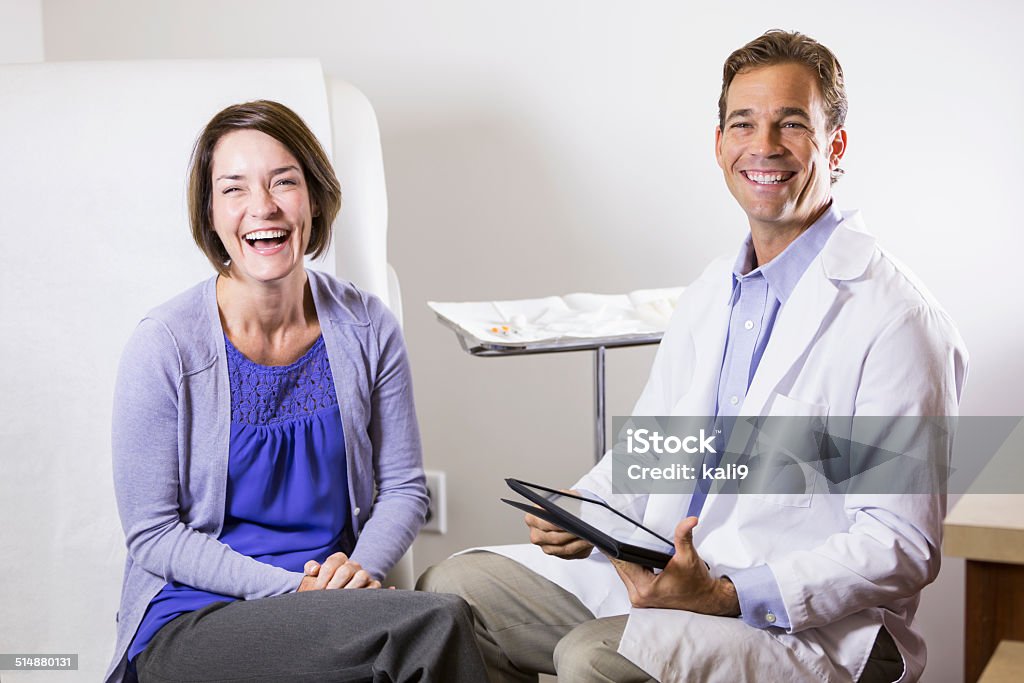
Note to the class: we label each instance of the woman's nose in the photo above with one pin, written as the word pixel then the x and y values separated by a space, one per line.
pixel 262 204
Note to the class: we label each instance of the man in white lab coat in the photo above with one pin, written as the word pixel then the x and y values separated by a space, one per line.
pixel 811 319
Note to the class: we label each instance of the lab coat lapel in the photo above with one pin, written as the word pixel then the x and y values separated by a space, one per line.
pixel 796 327
pixel 807 308
pixel 845 256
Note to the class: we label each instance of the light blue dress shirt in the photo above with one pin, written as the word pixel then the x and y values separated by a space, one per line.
pixel 758 294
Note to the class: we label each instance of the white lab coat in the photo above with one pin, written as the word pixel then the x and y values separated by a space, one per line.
pixel 858 336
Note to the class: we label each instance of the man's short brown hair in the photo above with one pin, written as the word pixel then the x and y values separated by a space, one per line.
pixel 285 126
pixel 789 47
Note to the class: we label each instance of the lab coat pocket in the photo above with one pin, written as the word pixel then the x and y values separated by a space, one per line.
pixel 784 452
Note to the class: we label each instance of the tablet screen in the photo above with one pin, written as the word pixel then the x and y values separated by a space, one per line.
pixel 603 518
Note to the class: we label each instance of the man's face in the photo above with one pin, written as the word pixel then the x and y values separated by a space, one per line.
pixel 775 149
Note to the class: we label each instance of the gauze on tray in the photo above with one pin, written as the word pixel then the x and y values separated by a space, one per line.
pixel 552 318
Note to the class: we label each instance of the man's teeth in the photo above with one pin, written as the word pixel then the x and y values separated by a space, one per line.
pixel 265 235
pixel 768 178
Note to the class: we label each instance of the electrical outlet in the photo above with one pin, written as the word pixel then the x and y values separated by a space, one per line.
pixel 437 509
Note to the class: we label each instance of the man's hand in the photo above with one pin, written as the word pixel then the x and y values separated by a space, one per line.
pixel 337 571
pixel 685 583
pixel 555 541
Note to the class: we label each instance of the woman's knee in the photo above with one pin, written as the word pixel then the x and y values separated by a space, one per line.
pixel 451 608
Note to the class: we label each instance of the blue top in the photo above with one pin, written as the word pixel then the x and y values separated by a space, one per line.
pixel 758 294
pixel 287 488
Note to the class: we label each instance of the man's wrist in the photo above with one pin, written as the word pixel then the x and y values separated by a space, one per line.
pixel 725 601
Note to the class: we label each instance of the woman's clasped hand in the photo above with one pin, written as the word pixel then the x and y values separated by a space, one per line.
pixel 337 571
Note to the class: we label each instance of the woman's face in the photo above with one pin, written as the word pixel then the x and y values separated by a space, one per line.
pixel 261 207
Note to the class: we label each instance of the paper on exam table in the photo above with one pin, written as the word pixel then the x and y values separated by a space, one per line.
pixel 573 316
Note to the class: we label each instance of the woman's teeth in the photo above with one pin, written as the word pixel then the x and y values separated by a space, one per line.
pixel 270 237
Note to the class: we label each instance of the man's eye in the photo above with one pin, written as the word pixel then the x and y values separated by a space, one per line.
pixel 793 124
pixel 741 124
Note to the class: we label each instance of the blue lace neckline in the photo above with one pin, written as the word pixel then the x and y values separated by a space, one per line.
pixel 270 394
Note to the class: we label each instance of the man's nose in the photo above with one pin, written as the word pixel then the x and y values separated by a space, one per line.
pixel 261 203
pixel 767 142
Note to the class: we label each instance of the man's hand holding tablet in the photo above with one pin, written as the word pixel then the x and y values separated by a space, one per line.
pixel 569 524
pixel 556 541
pixel 686 582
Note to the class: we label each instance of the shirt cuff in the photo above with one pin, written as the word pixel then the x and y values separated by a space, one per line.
pixel 760 599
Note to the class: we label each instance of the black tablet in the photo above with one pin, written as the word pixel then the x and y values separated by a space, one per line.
pixel 595 521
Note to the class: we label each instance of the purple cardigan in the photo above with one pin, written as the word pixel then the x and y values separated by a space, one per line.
pixel 172 419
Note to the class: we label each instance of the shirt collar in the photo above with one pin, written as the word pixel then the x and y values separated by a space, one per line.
pixel 784 271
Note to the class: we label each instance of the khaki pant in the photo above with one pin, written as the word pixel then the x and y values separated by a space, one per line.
pixel 526 625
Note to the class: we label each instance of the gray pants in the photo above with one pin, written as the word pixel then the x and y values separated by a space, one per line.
pixel 337 635
pixel 527 625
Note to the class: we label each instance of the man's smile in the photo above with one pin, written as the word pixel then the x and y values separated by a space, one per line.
pixel 767 177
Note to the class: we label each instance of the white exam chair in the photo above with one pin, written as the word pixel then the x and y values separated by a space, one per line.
pixel 96 233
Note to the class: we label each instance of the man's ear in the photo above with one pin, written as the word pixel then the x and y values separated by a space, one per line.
pixel 718 146
pixel 837 147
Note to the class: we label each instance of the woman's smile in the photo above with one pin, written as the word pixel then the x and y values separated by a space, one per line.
pixel 267 242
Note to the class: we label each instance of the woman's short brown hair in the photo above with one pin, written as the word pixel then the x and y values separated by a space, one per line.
pixel 285 126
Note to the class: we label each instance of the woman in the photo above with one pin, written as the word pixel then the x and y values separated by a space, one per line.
pixel 266 449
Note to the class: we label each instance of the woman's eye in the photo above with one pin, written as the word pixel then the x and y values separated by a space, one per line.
pixel 286 181
pixel 230 190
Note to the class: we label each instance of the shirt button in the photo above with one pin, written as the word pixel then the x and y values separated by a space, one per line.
pixel 749 325
pixel 355 512
pixel 770 618
pixel 734 400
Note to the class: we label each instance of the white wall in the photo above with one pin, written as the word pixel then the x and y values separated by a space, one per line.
pixel 534 147
pixel 21 31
